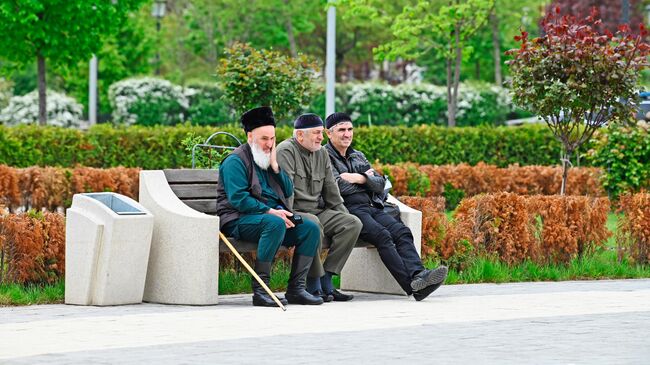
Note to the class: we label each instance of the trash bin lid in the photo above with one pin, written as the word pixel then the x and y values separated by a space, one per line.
pixel 114 203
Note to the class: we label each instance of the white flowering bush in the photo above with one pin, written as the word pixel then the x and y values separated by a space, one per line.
pixel 148 101
pixel 62 110
pixel 409 104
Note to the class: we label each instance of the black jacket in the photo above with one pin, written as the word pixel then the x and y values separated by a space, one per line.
pixel 372 192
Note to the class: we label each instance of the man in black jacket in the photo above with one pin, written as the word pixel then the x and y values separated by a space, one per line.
pixel 362 190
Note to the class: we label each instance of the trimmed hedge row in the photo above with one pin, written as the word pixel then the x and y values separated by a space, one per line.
pixel 162 147
pixel 509 227
pixel 32 247
pixel 514 228
pixel 633 236
pixel 52 187
pixel 457 181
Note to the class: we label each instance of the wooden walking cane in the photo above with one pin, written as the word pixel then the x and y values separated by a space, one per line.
pixel 250 269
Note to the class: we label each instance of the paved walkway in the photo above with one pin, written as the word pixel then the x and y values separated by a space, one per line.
pixel 590 322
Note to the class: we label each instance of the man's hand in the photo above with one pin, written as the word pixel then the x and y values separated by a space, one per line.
pixel 353 178
pixel 282 214
pixel 370 172
pixel 274 160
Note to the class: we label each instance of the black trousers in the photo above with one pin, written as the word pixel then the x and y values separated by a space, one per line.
pixel 394 243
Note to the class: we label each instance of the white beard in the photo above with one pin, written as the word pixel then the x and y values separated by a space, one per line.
pixel 262 159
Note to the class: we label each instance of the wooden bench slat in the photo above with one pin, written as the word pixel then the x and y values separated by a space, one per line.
pixel 195 191
pixel 207 206
pixel 198 190
pixel 175 176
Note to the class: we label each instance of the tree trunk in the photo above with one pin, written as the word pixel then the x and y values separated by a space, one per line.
pixel 494 21
pixel 566 162
pixel 42 101
pixel 451 115
pixel 458 55
pixel 289 26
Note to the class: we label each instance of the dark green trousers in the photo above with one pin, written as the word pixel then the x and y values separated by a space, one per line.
pixel 270 232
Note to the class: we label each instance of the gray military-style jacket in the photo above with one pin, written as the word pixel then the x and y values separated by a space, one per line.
pixel 311 172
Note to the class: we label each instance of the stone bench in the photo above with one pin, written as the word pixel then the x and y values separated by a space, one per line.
pixel 184 258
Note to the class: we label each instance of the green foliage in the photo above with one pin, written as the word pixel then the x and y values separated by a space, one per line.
pixel 205 157
pixel 61 31
pixel 452 196
pixel 152 111
pixel 125 53
pixel 253 78
pixel 207 105
pixel 425 27
pixel 624 154
pixel 602 265
pixel 16 294
pixel 160 147
pixel 6 87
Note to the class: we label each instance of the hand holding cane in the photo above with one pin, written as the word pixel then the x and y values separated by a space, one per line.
pixel 250 269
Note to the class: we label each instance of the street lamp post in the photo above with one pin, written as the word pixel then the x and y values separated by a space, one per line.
pixel 158 12
pixel 330 61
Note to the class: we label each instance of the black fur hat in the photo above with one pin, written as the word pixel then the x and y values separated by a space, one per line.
pixel 306 121
pixel 257 117
pixel 336 118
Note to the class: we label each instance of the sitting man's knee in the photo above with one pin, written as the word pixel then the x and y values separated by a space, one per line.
pixel 273 223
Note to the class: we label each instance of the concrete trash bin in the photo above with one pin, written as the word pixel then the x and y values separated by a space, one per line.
pixel 107 242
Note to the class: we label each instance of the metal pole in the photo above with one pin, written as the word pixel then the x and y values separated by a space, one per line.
pixel 625 18
pixel 92 92
pixel 330 64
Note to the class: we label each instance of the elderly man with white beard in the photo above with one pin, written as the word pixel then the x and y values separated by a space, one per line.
pixel 252 204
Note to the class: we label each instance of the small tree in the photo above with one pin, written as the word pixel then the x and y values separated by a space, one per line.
pixel 427 29
pixel 260 77
pixel 576 78
pixel 61 32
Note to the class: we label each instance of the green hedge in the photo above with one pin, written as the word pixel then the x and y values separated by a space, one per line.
pixel 162 147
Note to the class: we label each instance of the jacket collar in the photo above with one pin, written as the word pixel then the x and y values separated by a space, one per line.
pixel 348 152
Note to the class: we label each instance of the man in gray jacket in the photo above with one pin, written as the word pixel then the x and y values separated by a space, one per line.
pixel 316 197
pixel 363 192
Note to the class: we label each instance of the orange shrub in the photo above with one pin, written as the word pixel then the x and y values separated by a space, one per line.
pixel 633 234
pixel 433 220
pixel 33 246
pixel 518 227
pixel 483 178
pixel 45 187
pixel 9 190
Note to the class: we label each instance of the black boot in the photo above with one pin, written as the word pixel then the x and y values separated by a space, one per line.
pixel 296 293
pixel 260 297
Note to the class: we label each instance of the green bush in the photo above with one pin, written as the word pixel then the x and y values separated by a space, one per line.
pixel 160 147
pixel 254 77
pixel 624 155
pixel 207 105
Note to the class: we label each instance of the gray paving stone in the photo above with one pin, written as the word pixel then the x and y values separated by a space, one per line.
pixel 593 322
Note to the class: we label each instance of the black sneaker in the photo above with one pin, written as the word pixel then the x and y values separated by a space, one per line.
pixel 426 278
pixel 421 294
